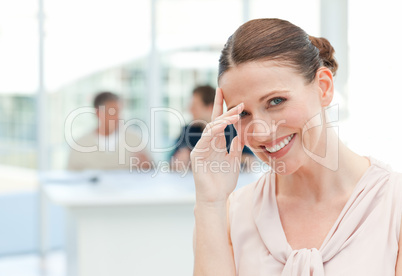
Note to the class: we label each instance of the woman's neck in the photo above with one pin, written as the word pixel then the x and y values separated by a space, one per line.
pixel 321 179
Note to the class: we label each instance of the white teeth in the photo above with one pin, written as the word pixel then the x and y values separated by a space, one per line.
pixel 277 147
pixel 280 145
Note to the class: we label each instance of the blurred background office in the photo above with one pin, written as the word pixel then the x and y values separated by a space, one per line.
pixel 55 55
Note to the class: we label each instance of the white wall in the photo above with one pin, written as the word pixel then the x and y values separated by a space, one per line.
pixel 375 92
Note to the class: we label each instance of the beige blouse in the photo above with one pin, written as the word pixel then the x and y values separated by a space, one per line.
pixel 363 241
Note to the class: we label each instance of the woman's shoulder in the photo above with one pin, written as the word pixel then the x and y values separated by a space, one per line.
pixel 395 180
pixel 383 168
pixel 382 173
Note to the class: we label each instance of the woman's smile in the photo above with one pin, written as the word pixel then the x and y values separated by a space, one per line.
pixel 279 147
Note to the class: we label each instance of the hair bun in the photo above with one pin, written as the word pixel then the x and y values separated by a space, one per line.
pixel 326 53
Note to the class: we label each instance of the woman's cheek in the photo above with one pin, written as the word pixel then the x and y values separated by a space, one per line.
pixel 293 118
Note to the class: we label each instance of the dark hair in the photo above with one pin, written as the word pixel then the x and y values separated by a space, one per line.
pixel 103 97
pixel 206 92
pixel 279 40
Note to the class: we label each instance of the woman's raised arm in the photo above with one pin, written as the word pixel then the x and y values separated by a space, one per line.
pixel 215 173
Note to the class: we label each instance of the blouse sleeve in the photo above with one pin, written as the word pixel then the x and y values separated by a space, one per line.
pixel 396 179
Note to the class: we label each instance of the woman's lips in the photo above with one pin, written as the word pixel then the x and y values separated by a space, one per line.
pixel 279 144
pixel 279 147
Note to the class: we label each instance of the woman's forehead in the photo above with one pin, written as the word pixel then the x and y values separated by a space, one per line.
pixel 254 78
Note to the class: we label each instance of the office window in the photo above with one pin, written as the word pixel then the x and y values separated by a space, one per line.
pixel 93 46
pixel 18 82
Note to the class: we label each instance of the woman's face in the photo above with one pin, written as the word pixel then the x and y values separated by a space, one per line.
pixel 279 111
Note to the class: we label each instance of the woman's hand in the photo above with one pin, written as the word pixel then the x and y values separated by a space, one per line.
pixel 215 170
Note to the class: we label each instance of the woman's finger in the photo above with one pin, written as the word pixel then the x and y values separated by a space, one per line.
pixel 233 111
pixel 226 121
pixel 204 144
pixel 213 131
pixel 236 148
pixel 218 104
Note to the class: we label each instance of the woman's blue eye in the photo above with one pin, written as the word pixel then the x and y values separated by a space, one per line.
pixel 276 101
pixel 242 114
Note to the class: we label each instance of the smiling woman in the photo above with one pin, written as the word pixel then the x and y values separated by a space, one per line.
pixel 322 203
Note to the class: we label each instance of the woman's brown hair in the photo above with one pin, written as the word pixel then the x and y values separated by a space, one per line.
pixel 279 40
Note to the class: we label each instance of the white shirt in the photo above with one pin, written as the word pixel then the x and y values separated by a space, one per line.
pixel 98 152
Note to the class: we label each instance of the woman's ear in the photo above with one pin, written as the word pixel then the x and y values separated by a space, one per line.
pixel 326 85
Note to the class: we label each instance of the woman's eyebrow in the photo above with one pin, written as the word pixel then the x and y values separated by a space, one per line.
pixel 271 93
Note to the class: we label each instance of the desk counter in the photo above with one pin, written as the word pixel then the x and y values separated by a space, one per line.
pixel 121 223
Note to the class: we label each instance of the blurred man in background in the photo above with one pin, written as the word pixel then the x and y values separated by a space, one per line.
pixel 108 147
